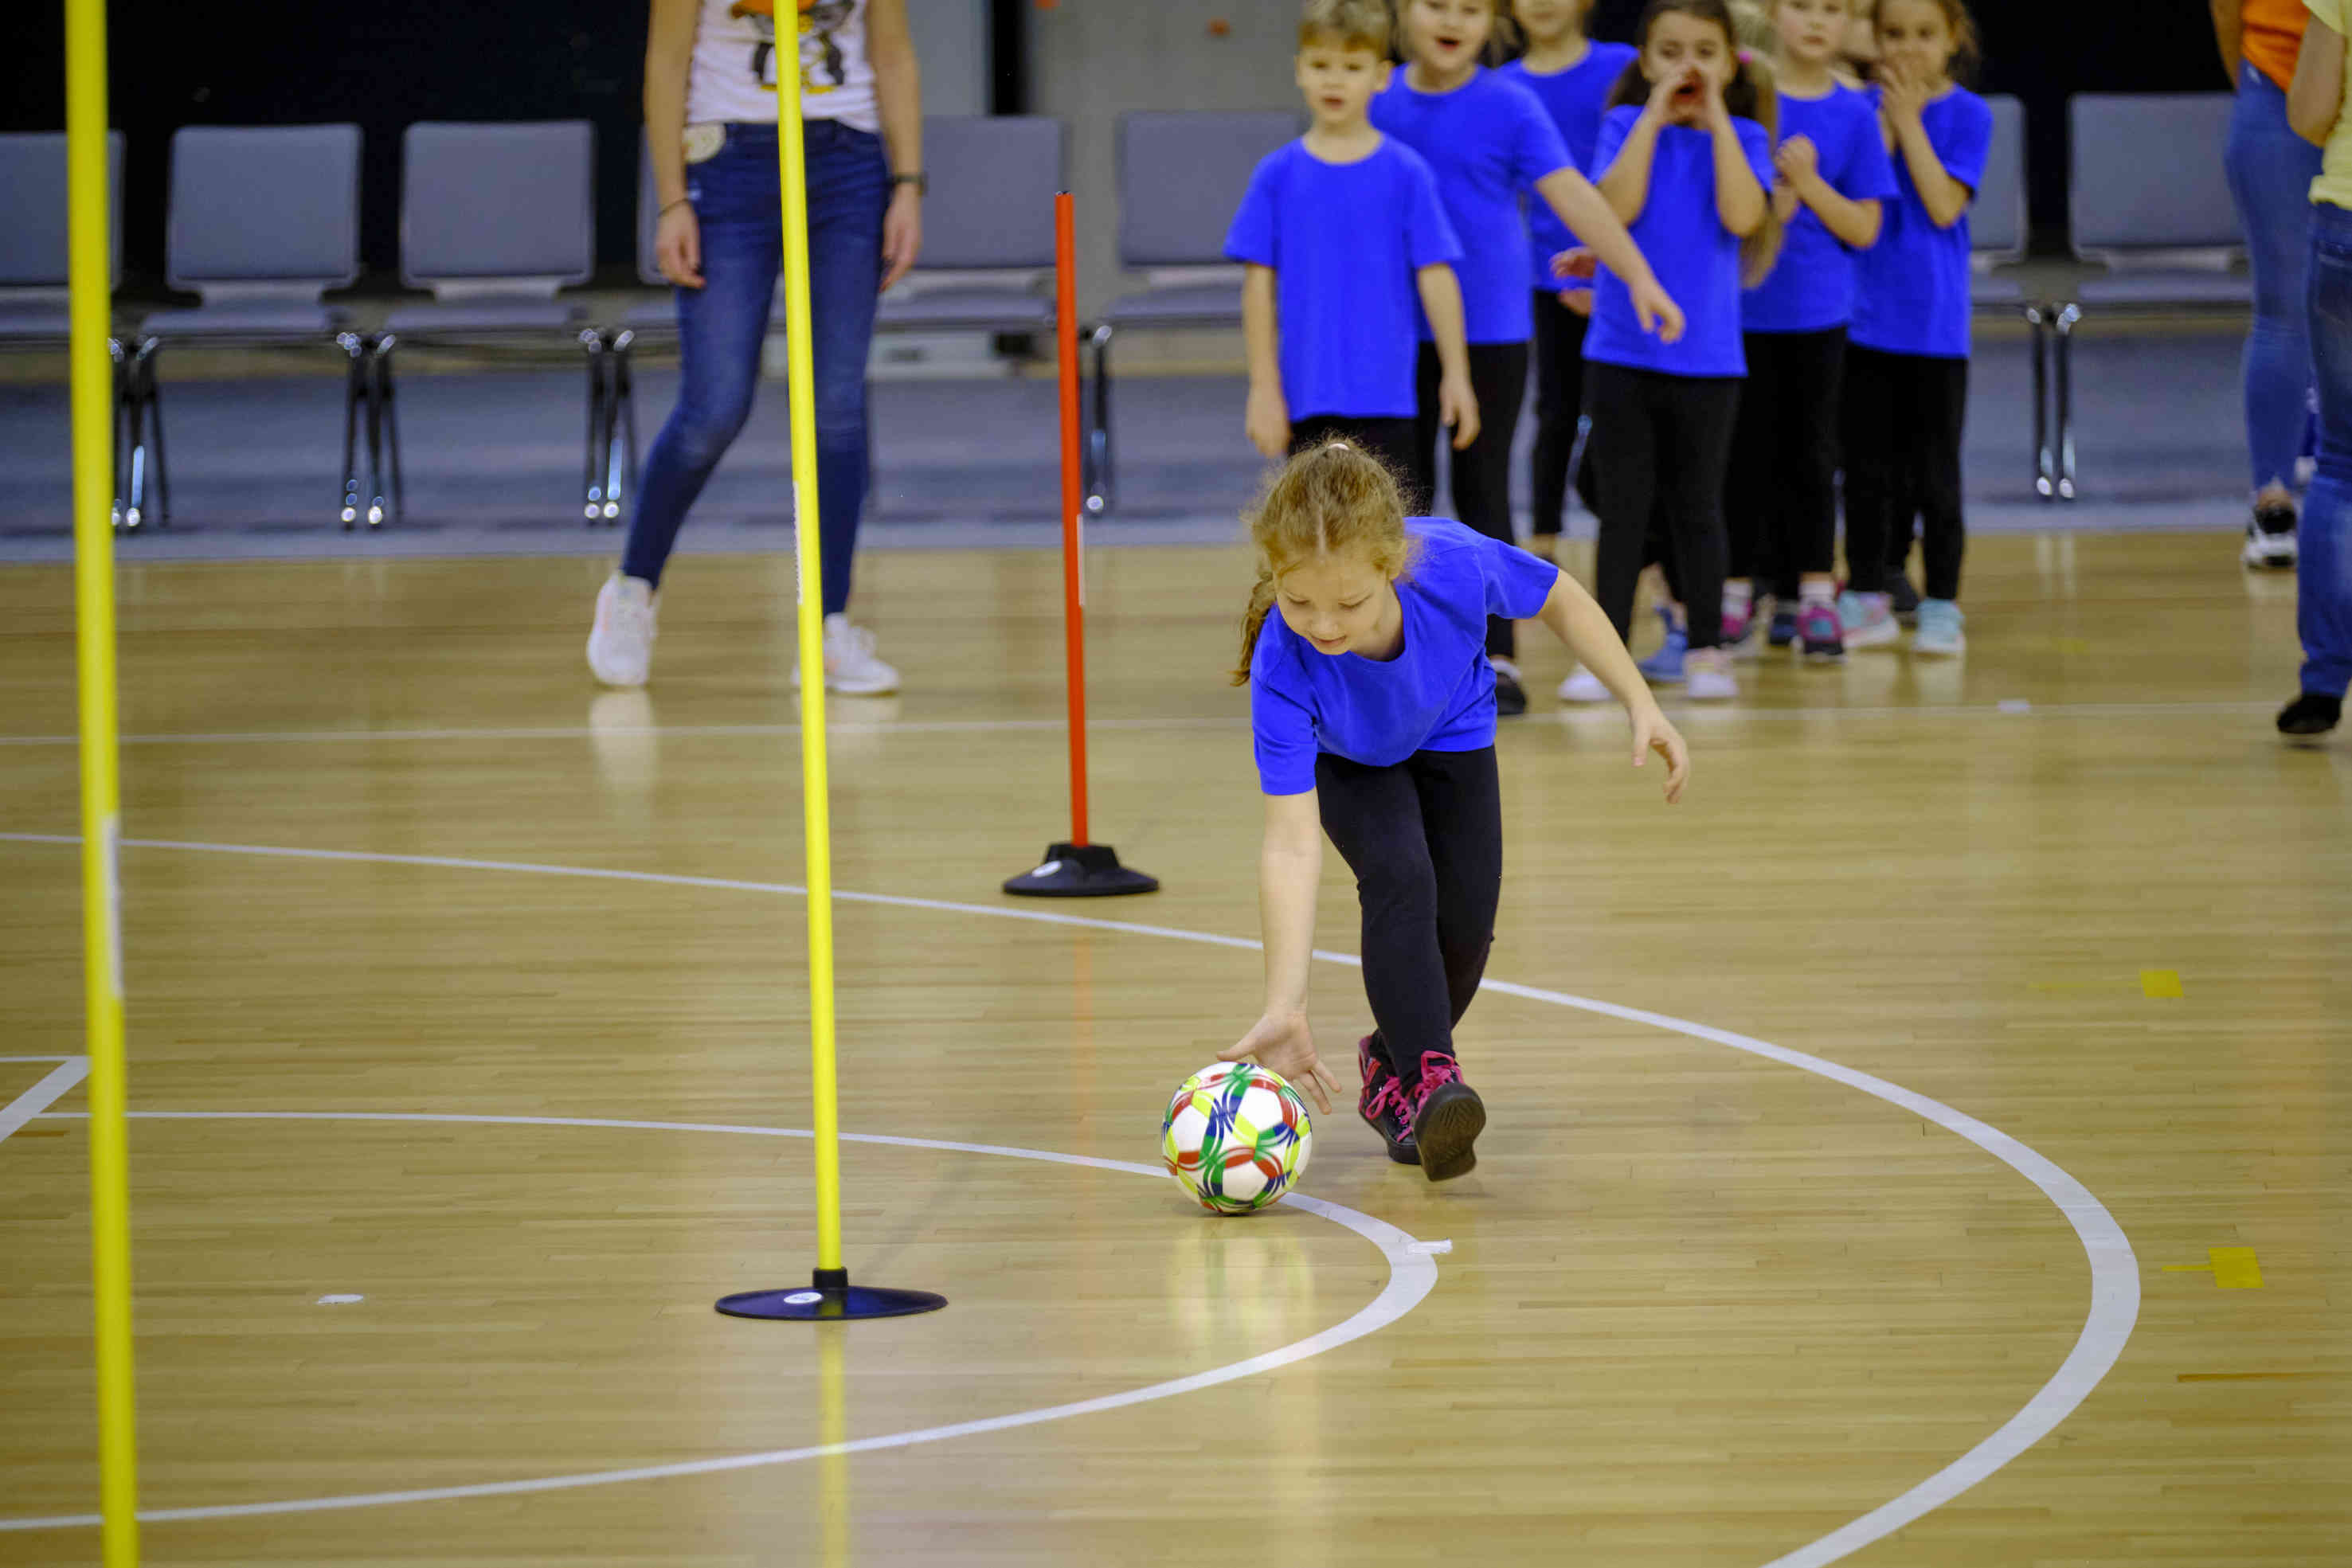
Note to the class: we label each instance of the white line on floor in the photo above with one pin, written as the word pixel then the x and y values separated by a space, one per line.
pixel 71 1071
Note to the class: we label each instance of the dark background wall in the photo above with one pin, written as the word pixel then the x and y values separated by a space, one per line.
pixel 273 61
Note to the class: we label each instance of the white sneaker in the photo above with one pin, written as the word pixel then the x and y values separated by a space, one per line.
pixel 850 666
pixel 1868 620
pixel 621 645
pixel 1584 687
pixel 1709 676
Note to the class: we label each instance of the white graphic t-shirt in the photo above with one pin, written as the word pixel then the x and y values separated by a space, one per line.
pixel 734 70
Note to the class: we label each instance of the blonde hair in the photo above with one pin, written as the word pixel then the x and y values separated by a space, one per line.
pixel 1352 23
pixel 1753 93
pixel 1333 499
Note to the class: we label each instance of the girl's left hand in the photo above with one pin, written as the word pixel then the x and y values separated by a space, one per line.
pixel 1457 408
pixel 1902 93
pixel 1656 310
pixel 1578 300
pixel 1286 1046
pixel 1718 113
pixel 1582 262
pixel 1653 733
pixel 902 234
pixel 1797 161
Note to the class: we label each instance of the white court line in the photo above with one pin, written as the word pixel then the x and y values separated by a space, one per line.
pixel 2114 1271
pixel 71 1071
pixel 984 726
pixel 1411 1275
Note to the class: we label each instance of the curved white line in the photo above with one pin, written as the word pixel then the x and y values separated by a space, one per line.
pixel 1411 1275
pixel 2115 1269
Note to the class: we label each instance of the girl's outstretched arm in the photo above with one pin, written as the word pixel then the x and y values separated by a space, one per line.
pixel 1578 621
pixel 1289 870
pixel 1599 220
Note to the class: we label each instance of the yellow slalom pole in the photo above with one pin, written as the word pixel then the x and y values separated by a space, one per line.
pixel 800 363
pixel 101 824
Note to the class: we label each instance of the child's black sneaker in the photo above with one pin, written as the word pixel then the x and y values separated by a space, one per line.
pixel 2313 713
pixel 1902 596
pixel 1447 1117
pixel 2270 538
pixel 1381 1105
pixel 1784 626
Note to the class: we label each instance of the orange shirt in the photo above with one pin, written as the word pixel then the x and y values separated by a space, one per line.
pixel 2271 31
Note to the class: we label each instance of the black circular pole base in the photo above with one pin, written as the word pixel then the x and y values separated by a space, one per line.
pixel 830 1298
pixel 1081 871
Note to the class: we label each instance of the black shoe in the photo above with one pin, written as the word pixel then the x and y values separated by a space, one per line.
pixel 2313 713
pixel 2270 539
pixel 1903 599
pixel 1510 697
pixel 1381 1105
pixel 1784 625
pixel 1447 1117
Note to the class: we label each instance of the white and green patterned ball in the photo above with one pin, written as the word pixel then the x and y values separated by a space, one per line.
pixel 1236 1138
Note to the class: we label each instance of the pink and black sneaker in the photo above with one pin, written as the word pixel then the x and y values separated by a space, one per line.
pixel 1447 1117
pixel 1381 1105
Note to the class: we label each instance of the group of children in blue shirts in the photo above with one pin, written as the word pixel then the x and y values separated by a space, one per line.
pixel 1782 293
pixel 1787 245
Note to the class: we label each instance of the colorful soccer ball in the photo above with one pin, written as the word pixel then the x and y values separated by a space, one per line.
pixel 1236 1138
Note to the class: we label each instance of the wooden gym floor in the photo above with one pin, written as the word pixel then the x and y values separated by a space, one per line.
pixel 2060 932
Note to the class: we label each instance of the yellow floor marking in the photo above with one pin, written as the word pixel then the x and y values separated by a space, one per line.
pixel 2232 1267
pixel 2159 983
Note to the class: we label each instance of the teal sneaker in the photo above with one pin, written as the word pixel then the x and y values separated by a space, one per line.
pixel 1939 632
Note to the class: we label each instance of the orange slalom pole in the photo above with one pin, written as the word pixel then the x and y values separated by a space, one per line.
pixel 1073 589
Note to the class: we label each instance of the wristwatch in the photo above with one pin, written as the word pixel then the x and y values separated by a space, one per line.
pixel 920 181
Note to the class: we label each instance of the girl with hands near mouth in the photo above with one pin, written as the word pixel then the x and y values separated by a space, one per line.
pixel 1685 159
pixel 1490 140
pixel 1372 709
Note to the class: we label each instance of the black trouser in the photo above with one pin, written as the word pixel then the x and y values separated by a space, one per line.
pixel 1560 403
pixel 1482 472
pixel 1389 440
pixel 1779 502
pixel 1660 443
pixel 1904 417
pixel 1425 840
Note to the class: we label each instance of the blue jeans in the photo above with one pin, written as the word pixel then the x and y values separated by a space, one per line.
pixel 2323 616
pixel 2270 171
pixel 721 324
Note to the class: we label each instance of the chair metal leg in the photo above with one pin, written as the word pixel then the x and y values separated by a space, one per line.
pixel 592 483
pixel 355 391
pixel 380 382
pixel 1098 440
pixel 151 404
pixel 2068 315
pixel 121 453
pixel 622 480
pixel 388 398
pixel 135 459
pixel 2046 458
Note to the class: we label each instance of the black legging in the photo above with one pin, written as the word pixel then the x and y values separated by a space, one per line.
pixel 1560 403
pixel 1482 472
pixel 1660 445
pixel 1905 414
pixel 1780 502
pixel 1425 840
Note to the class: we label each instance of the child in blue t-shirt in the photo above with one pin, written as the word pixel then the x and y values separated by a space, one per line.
pixel 1572 76
pixel 1685 159
pixel 1372 705
pixel 1348 249
pixel 1490 140
pixel 1907 375
pixel 1781 503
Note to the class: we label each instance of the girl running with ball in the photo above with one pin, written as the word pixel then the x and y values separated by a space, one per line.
pixel 1372 701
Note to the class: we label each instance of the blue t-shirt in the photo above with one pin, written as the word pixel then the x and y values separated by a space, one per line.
pixel 1436 695
pixel 1695 258
pixel 1489 140
pixel 1811 289
pixel 1344 241
pixel 1574 99
pixel 1912 287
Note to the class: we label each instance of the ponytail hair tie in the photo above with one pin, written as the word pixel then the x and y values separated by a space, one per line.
pixel 1747 56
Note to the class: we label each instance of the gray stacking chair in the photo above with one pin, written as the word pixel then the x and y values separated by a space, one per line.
pixel 1997 224
pixel 495 218
pixel 35 288
pixel 263 221
pixel 1181 176
pixel 2149 199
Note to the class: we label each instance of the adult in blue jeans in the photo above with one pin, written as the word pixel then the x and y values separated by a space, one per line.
pixel 2317 111
pixel 711 129
pixel 2270 170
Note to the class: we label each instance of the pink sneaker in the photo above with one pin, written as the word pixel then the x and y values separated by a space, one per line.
pixel 1447 1117
pixel 1381 1105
